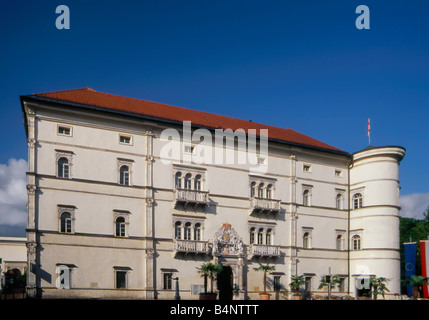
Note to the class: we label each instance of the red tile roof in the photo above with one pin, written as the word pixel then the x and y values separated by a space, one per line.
pixel 161 111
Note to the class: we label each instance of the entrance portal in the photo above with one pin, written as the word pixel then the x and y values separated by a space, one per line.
pixel 225 283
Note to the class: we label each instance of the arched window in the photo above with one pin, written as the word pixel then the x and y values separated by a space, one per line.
pixel 187 231
pixel 120 227
pixel 261 190
pixel 197 182
pixel 306 241
pixel 269 191
pixel 339 201
pixel 357 201
pixel 124 175
pixel 268 237
pixel 66 222
pixel 178 180
pixel 340 242
pixel 260 236
pixel 356 242
pixel 178 230
pixel 188 184
pixel 63 168
pixel 252 189
pixel 252 235
pixel 197 232
pixel 306 198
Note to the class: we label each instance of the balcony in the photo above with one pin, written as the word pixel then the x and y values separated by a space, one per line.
pixel 264 205
pixel 191 246
pixel 192 197
pixel 262 250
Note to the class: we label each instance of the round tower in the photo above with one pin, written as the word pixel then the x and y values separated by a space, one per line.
pixel 374 218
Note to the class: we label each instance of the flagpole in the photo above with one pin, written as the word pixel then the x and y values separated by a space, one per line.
pixel 368 131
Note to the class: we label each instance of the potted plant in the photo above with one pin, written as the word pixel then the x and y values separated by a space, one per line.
pixel 208 270
pixel 265 268
pixel 378 286
pixel 417 282
pixel 296 283
pixel 333 281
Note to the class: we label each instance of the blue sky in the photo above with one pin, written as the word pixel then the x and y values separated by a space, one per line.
pixel 296 64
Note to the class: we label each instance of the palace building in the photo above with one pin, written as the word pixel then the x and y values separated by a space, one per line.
pixel 127 195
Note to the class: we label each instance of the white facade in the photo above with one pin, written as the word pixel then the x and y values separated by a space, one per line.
pixel 129 241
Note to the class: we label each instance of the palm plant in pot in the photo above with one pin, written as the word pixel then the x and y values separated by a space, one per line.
pixel 378 286
pixel 296 283
pixel 265 268
pixel 416 281
pixel 208 270
pixel 333 281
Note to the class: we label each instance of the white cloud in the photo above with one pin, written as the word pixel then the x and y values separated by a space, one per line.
pixel 413 205
pixel 13 193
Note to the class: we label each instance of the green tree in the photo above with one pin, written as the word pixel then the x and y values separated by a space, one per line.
pixel 296 282
pixel 208 270
pixel 265 268
pixel 335 280
pixel 417 282
pixel 378 286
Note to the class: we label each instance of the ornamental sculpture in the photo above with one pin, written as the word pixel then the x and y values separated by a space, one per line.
pixel 227 242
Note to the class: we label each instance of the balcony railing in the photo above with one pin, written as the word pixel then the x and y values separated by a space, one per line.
pixel 196 197
pixel 262 250
pixel 262 204
pixel 191 246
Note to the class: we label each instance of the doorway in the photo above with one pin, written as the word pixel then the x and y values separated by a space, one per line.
pixel 225 283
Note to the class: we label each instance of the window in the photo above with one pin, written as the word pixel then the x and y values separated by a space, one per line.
pixel 356 243
pixel 178 230
pixel 338 173
pixel 167 281
pixel 187 233
pixel 178 180
pixel 339 201
pixel 120 227
pixel 189 149
pixel 262 187
pixel 188 184
pixel 306 240
pixel 121 279
pixel 342 285
pixel 124 175
pixel 261 190
pixel 308 284
pixel 306 198
pixel 269 191
pixel 63 168
pixel 197 232
pixel 64 131
pixel 123 139
pixel 340 242
pixel 276 283
pixel 64 273
pixel 188 230
pixel 306 168
pixel 357 201
pixel 252 189
pixel 260 236
pixel 66 216
pixel 197 182
pixel 252 235
pixel 268 237
pixel 66 222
